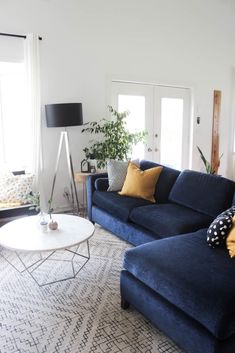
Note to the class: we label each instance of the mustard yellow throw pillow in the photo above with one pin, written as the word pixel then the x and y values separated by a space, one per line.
pixel 139 183
pixel 230 241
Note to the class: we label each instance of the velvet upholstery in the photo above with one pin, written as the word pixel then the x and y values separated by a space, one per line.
pixel 117 205
pixel 177 219
pixel 181 328
pixel 90 188
pixel 165 182
pixel 127 231
pixel 196 279
pixel 233 202
pixel 179 283
pixel 205 193
pixel 102 184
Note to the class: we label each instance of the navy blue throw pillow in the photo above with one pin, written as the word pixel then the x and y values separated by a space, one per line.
pixel 220 227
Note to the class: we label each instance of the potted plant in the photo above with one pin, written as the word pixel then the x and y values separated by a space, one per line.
pixel 33 198
pixel 206 163
pixel 53 225
pixel 115 141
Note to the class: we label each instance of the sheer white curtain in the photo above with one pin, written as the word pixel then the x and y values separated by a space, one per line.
pixel 32 64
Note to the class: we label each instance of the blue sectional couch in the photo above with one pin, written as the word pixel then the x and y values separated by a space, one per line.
pixel 184 287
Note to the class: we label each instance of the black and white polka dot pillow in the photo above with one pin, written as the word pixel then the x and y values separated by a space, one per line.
pixel 220 227
pixel 229 212
pixel 218 231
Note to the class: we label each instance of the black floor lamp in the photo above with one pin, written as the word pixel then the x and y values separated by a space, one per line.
pixel 64 115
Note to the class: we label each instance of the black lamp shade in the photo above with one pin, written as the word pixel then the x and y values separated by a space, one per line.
pixel 64 114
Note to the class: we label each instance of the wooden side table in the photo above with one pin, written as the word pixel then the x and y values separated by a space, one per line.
pixel 81 178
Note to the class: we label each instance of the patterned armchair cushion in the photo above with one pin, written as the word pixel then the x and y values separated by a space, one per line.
pixel 13 188
pixel 9 204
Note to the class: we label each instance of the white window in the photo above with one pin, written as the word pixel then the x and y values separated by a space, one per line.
pixel 15 126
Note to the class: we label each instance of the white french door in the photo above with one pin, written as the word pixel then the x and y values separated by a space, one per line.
pixel 164 112
pixel 137 99
pixel 172 127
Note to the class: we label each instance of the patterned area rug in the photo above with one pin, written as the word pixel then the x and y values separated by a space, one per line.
pixel 78 315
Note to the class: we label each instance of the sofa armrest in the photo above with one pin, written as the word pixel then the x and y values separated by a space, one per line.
pixel 90 188
pixel 102 184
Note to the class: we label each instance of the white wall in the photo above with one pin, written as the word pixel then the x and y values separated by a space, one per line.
pixel 87 43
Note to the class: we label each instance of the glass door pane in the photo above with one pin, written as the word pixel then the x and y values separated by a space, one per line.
pixel 135 120
pixel 171 132
pixel 172 126
pixel 138 100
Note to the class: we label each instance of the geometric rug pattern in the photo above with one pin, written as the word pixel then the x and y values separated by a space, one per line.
pixel 78 315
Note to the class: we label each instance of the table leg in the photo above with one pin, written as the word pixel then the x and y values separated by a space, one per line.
pixel 10 263
pixel 39 262
pixel 35 265
pixel 81 255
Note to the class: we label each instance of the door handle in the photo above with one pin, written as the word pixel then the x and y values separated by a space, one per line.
pixel 156 135
pixel 149 149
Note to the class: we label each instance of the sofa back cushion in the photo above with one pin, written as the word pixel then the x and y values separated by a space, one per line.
pixel 205 193
pixel 165 182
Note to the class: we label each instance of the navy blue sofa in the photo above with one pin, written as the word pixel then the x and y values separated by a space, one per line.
pixel 180 284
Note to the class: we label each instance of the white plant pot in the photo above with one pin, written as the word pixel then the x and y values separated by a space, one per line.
pixel 93 162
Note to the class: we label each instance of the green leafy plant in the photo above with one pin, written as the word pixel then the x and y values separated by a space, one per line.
pixel 206 163
pixel 33 198
pixel 50 208
pixel 115 142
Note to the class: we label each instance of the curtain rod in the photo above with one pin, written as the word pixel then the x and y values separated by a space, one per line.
pixel 16 35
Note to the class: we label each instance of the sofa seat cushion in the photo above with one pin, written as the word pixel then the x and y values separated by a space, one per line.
pixel 169 219
pixel 195 278
pixel 117 205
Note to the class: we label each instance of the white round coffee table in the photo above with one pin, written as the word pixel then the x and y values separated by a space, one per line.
pixel 25 235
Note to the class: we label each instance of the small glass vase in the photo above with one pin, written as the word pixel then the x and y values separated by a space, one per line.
pixel 43 222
